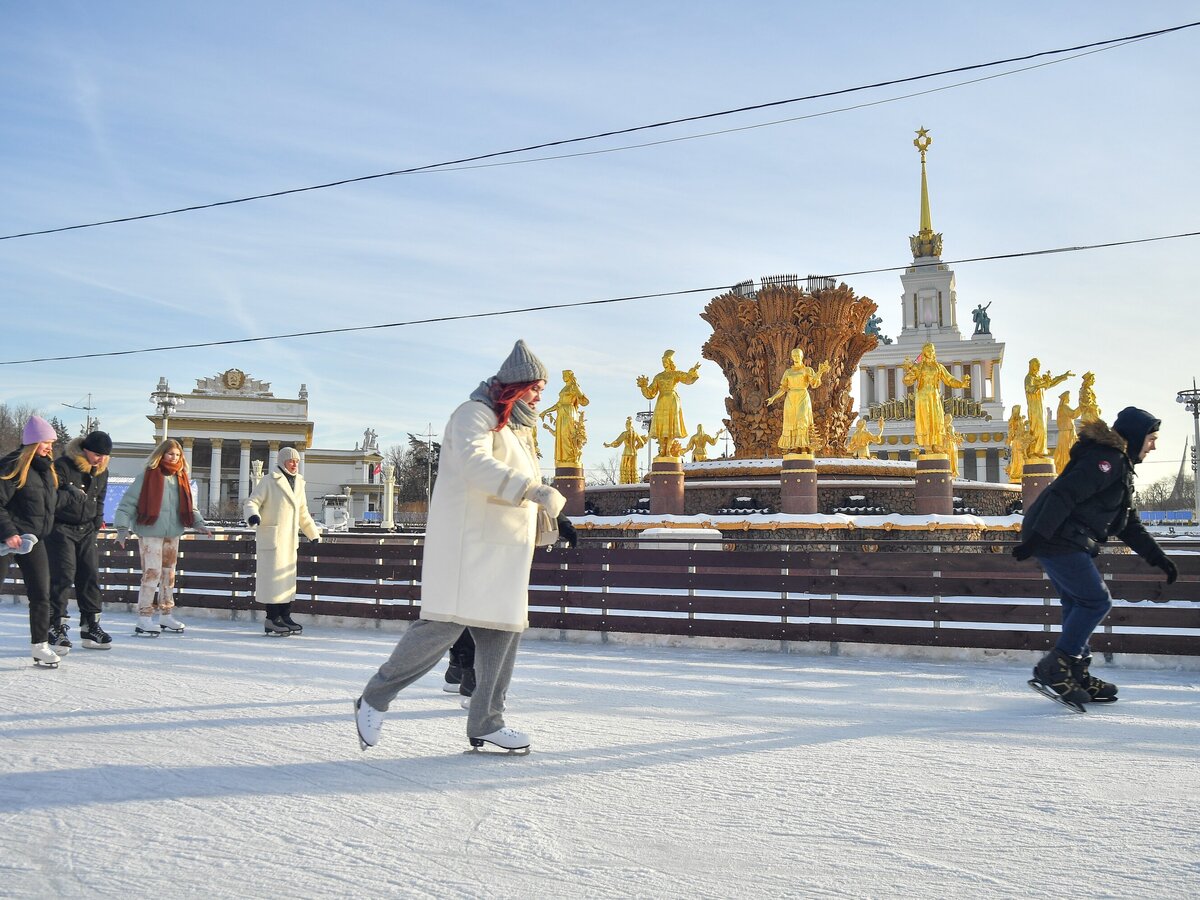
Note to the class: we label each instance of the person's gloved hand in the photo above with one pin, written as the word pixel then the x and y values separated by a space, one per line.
pixel 1169 567
pixel 254 521
pixel 547 497
pixel 1022 551
pixel 312 542
pixel 566 531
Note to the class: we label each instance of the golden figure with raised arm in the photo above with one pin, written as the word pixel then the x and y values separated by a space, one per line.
pixel 1018 443
pixel 699 443
pixel 1088 410
pixel 797 405
pixel 1035 386
pixel 566 423
pixel 929 375
pixel 667 425
pixel 858 445
pixel 954 441
pixel 1065 418
pixel 630 442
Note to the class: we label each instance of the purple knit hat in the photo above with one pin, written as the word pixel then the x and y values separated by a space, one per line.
pixel 37 430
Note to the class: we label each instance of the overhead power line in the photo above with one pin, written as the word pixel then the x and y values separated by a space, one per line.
pixel 546 307
pixel 605 134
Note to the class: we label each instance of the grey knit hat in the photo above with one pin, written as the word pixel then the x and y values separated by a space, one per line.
pixel 286 454
pixel 521 367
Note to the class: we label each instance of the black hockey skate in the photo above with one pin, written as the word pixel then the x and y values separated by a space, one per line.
pixel 1052 678
pixel 93 636
pixel 1099 690
pixel 276 627
pixel 59 642
pixel 453 678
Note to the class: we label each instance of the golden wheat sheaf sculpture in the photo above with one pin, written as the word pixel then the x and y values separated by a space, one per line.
pixel 752 339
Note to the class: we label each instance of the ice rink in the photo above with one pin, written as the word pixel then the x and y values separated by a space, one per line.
pixel 222 763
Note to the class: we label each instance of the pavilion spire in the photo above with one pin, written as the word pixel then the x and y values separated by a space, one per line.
pixel 925 243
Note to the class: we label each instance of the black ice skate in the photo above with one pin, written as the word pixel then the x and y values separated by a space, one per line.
pixel 276 627
pixel 93 636
pixel 508 739
pixel 1100 691
pixel 1052 678
pixel 59 640
pixel 453 678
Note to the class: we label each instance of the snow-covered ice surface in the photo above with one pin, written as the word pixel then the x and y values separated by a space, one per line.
pixel 222 763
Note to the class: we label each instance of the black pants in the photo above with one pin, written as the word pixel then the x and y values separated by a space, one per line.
pixel 35 572
pixel 462 653
pixel 74 559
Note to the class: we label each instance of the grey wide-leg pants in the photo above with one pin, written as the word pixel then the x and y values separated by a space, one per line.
pixel 423 646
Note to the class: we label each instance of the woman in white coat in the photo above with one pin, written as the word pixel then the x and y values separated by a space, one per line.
pixel 479 543
pixel 278 509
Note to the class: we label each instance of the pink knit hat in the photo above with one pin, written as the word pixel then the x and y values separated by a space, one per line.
pixel 37 430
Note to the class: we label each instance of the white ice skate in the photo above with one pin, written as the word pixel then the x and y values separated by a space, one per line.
pixel 369 721
pixel 505 738
pixel 45 657
pixel 168 622
pixel 146 627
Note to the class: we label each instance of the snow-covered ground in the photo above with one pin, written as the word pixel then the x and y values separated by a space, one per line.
pixel 222 763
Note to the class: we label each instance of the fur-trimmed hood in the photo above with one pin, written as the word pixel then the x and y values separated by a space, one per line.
pixel 1098 432
pixel 74 452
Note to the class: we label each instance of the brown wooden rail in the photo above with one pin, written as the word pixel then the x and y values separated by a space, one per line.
pixel 946 594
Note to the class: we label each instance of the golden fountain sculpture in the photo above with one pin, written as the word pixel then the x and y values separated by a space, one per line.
pixel 858 445
pixel 752 341
pixel 630 442
pixel 667 425
pixel 928 375
pixel 797 379
pixel 566 423
pixel 1036 384
pixel 699 443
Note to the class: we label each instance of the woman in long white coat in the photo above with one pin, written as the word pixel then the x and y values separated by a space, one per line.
pixel 278 509
pixel 479 543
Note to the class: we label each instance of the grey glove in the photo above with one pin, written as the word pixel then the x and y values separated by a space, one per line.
pixel 547 497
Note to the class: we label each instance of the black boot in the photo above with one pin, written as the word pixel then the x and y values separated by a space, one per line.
pixel 286 618
pixel 1100 691
pixel 1053 671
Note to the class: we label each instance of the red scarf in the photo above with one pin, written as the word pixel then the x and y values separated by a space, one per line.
pixel 150 501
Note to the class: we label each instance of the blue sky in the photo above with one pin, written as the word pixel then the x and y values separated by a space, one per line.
pixel 124 108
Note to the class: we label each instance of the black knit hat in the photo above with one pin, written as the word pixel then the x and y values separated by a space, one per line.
pixel 1134 424
pixel 98 442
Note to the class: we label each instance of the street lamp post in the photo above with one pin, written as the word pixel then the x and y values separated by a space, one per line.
pixel 166 402
pixel 1191 401
pixel 644 419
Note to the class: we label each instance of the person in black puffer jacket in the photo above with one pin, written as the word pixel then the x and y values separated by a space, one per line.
pixel 72 544
pixel 1091 501
pixel 28 499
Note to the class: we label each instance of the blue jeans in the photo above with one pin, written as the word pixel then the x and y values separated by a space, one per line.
pixel 1085 598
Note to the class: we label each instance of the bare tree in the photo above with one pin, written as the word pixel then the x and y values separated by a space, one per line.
pixel 607 472
pixel 12 423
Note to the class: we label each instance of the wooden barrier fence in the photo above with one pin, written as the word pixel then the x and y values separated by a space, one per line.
pixel 948 594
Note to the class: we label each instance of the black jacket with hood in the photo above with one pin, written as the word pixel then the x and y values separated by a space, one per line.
pixel 1092 500
pixel 81 511
pixel 28 509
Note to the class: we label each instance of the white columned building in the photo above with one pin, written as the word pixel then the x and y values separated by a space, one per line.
pixel 929 314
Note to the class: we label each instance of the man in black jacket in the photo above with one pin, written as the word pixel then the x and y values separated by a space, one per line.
pixel 83 472
pixel 1089 502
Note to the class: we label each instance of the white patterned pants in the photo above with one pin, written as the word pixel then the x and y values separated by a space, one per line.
pixel 159 556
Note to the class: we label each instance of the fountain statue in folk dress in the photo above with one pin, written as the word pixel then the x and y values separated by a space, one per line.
pixel 566 423
pixel 1036 384
pixel 928 376
pixel 794 386
pixel 954 442
pixel 630 443
pixel 858 445
pixel 1089 411
pixel 1065 418
pixel 699 443
pixel 1018 444
pixel 667 424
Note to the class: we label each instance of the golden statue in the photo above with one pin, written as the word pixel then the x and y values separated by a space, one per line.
pixel 1018 444
pixel 667 424
pixel 954 441
pixel 797 407
pixel 1065 418
pixel 1088 410
pixel 699 443
pixel 858 445
pixel 1035 386
pixel 929 375
pixel 566 423
pixel 631 442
